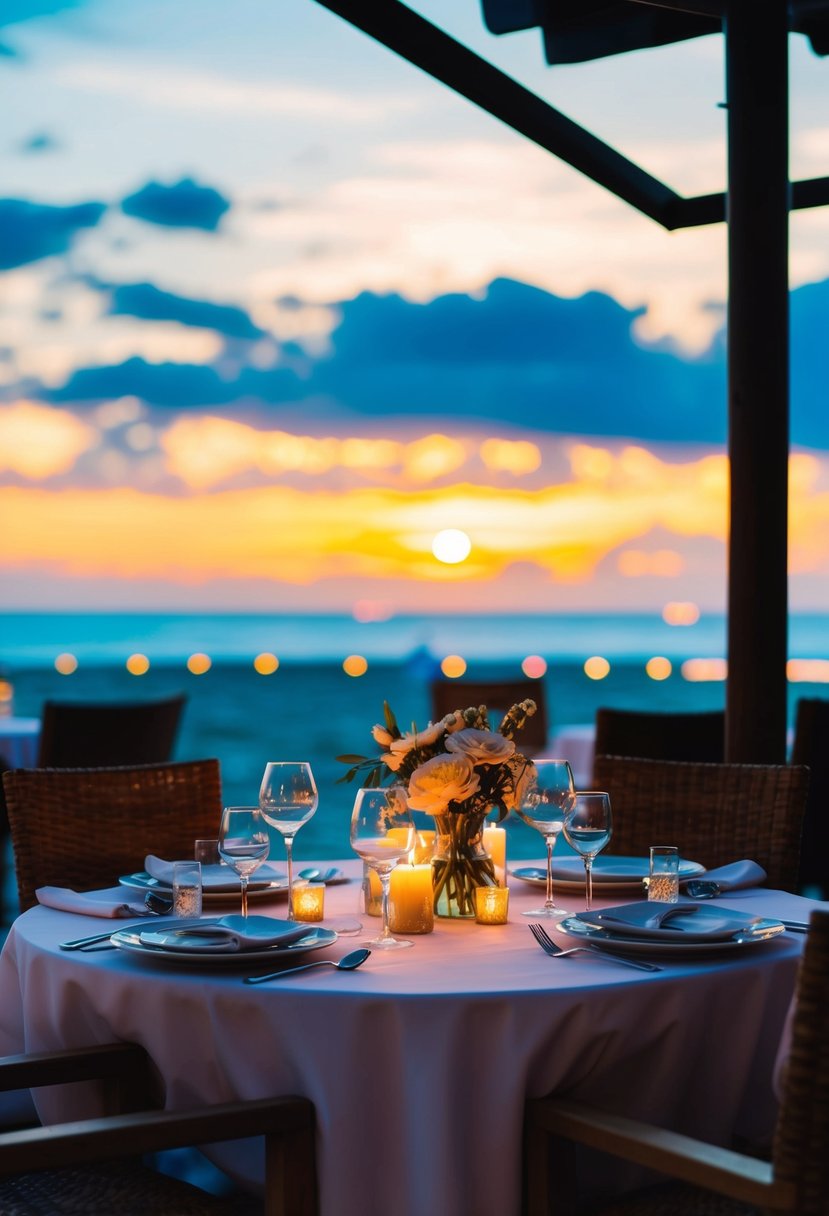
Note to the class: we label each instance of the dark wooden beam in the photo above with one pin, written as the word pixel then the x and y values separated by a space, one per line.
pixel 758 380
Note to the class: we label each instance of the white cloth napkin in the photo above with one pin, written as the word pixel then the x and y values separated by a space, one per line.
pixel 213 877
pixel 89 903
pixel 736 874
pixel 229 933
pixel 641 915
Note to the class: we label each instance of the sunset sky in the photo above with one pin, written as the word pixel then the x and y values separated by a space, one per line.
pixel 276 309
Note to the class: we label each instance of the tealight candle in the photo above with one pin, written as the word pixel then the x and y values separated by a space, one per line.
pixel 495 843
pixel 309 901
pixel 491 905
pixel 410 899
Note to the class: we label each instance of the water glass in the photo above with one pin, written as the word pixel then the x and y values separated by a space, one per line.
pixel 187 888
pixel 663 874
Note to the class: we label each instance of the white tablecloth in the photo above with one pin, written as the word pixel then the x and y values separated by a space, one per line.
pixel 419 1063
pixel 19 738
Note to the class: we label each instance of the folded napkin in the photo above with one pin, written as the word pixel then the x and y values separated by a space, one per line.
pixel 213 877
pixel 678 922
pixel 227 934
pixel 642 915
pixel 89 903
pixel 735 875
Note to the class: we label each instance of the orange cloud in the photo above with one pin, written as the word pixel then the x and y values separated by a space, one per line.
pixel 39 442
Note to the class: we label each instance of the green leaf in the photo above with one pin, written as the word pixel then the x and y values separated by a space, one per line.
pixel 349 759
pixel 390 720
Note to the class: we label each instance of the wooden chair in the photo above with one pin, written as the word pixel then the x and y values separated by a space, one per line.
pixel 811 747
pixel 661 736
pixel 714 813
pixel 85 827
pixel 714 1181
pixel 52 1169
pixel 497 696
pixel 75 735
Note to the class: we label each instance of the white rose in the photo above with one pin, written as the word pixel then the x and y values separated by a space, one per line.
pixel 442 780
pixel 418 739
pixel 481 746
pixel 382 736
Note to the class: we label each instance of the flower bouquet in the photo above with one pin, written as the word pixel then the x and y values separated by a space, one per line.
pixel 458 770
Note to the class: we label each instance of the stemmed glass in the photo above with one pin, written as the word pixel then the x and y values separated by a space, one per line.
pixel 243 843
pixel 382 833
pixel 588 828
pixel 288 798
pixel 547 797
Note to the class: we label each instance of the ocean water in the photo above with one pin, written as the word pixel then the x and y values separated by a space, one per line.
pixel 309 709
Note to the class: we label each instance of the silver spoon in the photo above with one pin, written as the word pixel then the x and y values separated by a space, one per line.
pixel 318 875
pixel 349 962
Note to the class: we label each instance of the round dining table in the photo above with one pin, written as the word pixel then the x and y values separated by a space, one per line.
pixel 419 1062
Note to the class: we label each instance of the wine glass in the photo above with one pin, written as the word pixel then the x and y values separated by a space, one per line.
pixel 243 843
pixel 288 798
pixel 382 833
pixel 546 798
pixel 588 828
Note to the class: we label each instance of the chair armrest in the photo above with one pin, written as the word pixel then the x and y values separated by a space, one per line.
pixel 105 1061
pixel 718 1169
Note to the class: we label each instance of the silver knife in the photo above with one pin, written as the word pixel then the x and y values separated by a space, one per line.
pixel 80 942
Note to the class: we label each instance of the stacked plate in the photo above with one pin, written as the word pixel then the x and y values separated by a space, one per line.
pixel 682 928
pixel 610 873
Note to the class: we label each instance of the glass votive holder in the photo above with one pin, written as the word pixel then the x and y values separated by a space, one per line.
pixel 372 892
pixel 663 874
pixel 207 852
pixel 187 888
pixel 491 905
pixel 309 901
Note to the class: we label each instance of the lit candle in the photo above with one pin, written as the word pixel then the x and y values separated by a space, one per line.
pixel 495 843
pixel 491 905
pixel 424 847
pixel 309 901
pixel 410 900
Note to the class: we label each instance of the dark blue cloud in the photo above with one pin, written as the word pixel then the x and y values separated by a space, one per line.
pixel 184 205
pixel 149 303
pixel 29 231
pixel 14 11
pixel 518 354
pixel 40 141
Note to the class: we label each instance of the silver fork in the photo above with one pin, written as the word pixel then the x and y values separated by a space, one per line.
pixel 549 947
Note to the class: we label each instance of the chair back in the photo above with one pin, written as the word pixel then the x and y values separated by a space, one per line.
pixel 811 747
pixel 498 696
pixel 75 735
pixel 714 813
pixel 661 736
pixel 85 827
pixel 801 1144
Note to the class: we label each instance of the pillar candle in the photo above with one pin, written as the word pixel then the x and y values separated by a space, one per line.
pixel 424 847
pixel 410 899
pixel 495 843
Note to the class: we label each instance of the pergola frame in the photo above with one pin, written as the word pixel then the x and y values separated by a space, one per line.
pixel 756 204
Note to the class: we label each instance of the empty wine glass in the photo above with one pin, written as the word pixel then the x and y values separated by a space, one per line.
pixel 382 833
pixel 547 796
pixel 288 798
pixel 588 828
pixel 243 843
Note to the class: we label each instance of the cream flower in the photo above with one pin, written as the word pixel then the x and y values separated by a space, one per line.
pixel 481 746
pixel 421 738
pixel 442 780
pixel 453 721
pixel 392 761
pixel 382 736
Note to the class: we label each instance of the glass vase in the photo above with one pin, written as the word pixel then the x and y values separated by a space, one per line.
pixel 460 863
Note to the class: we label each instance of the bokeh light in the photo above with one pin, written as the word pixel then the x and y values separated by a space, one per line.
pixel 680 612
pixel 534 667
pixel 138 664
pixel 266 663
pixel 698 671
pixel 66 664
pixel 596 668
pixel 658 668
pixel 453 666
pixel 355 665
pixel 199 664
pixel 807 671
pixel 451 546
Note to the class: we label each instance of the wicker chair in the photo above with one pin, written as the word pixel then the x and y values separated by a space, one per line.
pixel 51 1169
pixel 811 747
pixel 84 827
pixel 715 813
pixel 497 696
pixel 94 734
pixel 715 1181
pixel 661 736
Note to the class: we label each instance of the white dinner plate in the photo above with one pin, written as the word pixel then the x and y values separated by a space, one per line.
pixel 129 940
pixel 142 881
pixel 611 873
pixel 760 931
